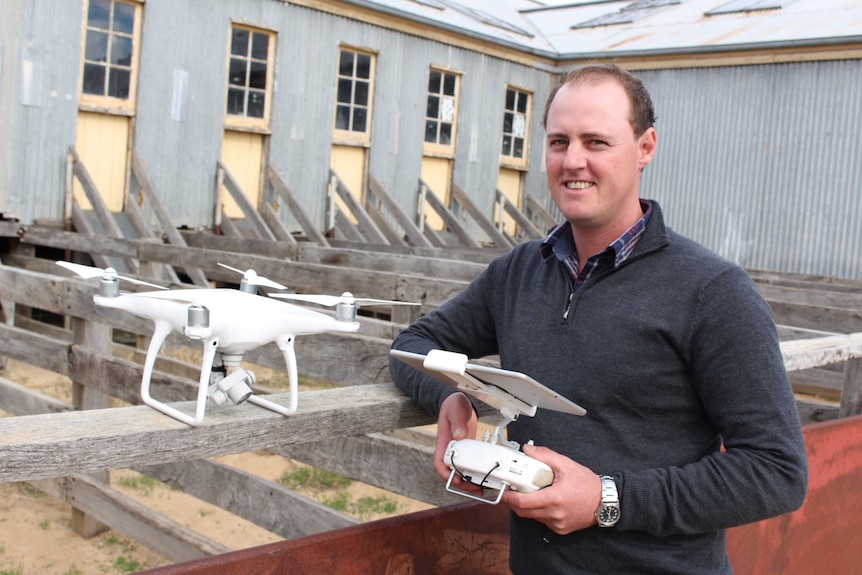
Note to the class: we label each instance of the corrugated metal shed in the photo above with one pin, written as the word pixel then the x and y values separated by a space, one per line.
pixel 759 162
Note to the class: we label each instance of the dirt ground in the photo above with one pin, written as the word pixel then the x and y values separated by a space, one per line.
pixel 36 536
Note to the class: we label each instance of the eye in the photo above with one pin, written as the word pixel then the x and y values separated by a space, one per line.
pixel 558 143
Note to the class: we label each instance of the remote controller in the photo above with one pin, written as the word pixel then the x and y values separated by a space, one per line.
pixel 495 466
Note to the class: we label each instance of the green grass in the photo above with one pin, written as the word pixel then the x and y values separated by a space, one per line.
pixel 140 483
pixel 313 478
pixel 339 502
pixel 124 565
pixel 366 506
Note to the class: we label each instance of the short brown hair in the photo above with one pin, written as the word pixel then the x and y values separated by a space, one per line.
pixel 642 112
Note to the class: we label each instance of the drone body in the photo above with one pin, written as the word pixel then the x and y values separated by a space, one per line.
pixel 230 323
pixel 242 321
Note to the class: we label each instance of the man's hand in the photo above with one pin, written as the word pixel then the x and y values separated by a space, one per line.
pixel 569 504
pixel 457 420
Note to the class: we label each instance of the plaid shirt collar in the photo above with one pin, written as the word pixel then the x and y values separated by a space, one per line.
pixel 561 244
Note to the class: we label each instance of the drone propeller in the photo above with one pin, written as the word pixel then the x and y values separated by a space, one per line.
pixel 345 298
pixel 250 278
pixel 345 304
pixel 108 274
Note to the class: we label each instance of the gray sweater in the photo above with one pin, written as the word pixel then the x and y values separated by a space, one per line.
pixel 675 356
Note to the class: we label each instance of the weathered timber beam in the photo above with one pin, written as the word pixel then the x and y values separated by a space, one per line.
pixel 364 223
pixel 295 207
pixel 270 216
pixel 390 262
pixel 496 236
pixel 75 241
pixel 249 211
pixel 132 519
pixel 54 445
pixel 265 503
pixel 392 208
pixel 17 399
pixel 453 224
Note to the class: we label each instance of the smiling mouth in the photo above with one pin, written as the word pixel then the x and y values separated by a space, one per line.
pixel 579 185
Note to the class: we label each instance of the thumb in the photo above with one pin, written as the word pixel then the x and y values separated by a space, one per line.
pixel 541 453
pixel 459 429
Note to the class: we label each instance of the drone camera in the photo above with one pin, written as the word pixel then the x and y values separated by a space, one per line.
pixel 234 387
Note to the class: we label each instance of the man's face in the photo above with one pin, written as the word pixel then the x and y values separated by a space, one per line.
pixel 593 157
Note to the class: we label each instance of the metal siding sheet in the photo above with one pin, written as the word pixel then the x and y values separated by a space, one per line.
pixel 39 106
pixel 762 163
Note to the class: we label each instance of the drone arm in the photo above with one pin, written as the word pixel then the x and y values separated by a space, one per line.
pixel 285 344
pixel 163 328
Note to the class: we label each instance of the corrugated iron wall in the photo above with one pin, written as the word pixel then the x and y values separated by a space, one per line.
pixel 38 104
pixel 763 163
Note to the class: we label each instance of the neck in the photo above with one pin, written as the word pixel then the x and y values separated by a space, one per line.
pixel 590 241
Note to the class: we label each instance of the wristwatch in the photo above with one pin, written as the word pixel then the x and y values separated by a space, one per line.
pixel 608 512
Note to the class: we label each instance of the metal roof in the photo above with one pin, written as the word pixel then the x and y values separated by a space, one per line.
pixel 637 27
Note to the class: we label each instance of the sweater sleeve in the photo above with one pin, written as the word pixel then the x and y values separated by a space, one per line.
pixel 736 367
pixel 464 324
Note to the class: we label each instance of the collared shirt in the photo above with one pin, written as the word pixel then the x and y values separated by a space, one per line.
pixel 561 243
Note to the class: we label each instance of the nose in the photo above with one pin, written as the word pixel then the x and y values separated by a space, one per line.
pixel 574 158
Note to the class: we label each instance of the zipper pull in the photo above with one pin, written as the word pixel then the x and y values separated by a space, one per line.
pixel 569 304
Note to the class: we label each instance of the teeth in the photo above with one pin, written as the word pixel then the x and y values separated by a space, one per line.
pixel 578 185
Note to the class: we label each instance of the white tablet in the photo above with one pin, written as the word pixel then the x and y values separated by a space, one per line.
pixel 486 382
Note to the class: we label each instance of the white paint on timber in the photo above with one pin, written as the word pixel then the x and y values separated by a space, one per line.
pixel 816 352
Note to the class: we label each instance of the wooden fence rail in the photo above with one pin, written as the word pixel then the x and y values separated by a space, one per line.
pixel 342 429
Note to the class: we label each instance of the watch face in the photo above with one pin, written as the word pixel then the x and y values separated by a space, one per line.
pixel 609 515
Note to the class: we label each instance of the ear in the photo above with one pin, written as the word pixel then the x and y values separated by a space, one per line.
pixel 647 147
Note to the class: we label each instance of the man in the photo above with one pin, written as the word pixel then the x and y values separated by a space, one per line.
pixel 691 423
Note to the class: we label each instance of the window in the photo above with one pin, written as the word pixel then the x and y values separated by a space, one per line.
pixel 441 109
pixel 249 74
pixel 353 93
pixel 110 49
pixel 515 117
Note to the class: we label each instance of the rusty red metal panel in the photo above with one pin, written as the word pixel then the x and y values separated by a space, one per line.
pixel 823 536
pixel 463 538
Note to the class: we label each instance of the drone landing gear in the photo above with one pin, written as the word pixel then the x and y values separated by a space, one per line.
pixel 216 383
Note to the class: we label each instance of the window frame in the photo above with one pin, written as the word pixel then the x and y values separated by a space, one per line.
pixel 243 122
pixel 509 161
pixel 350 137
pixel 101 102
pixel 435 149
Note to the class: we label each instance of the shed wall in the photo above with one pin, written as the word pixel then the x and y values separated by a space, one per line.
pixel 38 104
pixel 763 164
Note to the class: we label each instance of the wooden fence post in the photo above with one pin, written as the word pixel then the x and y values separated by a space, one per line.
pixel 851 394
pixel 97 337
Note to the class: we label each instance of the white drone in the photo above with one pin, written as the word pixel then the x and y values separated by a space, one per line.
pixel 230 323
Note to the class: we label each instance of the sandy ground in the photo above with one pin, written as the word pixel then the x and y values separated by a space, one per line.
pixel 36 535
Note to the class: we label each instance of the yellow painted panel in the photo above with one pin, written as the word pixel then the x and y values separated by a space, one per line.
pixel 242 155
pixel 349 163
pixel 509 182
pixel 437 173
pixel 102 143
